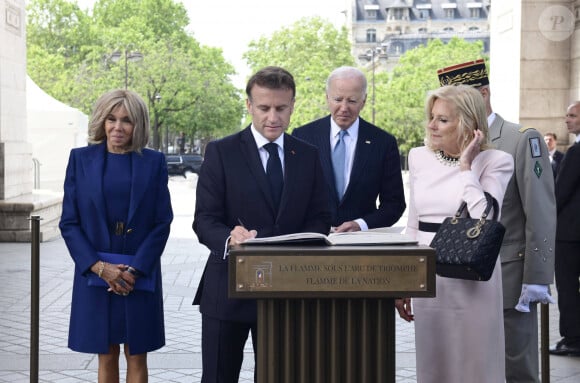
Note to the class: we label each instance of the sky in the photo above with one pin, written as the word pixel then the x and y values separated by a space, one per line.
pixel 232 24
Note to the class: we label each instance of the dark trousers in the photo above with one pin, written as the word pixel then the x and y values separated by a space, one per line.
pixel 222 349
pixel 567 267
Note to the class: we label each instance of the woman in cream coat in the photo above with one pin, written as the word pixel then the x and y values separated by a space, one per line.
pixel 459 334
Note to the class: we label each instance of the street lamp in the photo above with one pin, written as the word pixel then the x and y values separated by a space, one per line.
pixel 132 56
pixel 371 54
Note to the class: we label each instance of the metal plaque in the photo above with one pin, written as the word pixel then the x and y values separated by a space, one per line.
pixel 316 275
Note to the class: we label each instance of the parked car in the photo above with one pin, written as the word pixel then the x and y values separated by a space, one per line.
pixel 181 164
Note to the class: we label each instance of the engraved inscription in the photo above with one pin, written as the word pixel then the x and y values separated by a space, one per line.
pixel 321 273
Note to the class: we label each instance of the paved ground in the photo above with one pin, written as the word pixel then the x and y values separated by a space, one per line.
pixel 180 359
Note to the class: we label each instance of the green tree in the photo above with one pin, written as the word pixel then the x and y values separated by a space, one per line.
pixel 309 49
pixel 400 97
pixel 76 57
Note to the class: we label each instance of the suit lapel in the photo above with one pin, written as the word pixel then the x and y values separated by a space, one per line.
pixel 140 178
pixel 250 152
pixel 364 146
pixel 495 128
pixel 292 167
pixel 93 165
pixel 323 145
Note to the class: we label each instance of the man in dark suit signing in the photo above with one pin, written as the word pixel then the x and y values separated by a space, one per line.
pixel 258 182
pixel 568 241
pixel 360 161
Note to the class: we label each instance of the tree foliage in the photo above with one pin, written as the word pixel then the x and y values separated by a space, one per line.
pixel 71 55
pixel 309 49
pixel 400 97
pixel 76 56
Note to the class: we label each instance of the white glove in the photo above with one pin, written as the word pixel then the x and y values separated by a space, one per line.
pixel 533 293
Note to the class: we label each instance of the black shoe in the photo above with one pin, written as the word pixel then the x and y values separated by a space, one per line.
pixel 564 347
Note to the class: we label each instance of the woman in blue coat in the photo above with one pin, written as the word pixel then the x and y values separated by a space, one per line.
pixel 115 222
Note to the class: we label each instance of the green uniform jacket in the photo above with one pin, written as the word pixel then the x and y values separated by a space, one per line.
pixel 528 211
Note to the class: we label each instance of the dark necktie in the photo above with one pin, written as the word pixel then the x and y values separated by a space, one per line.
pixel 338 158
pixel 274 172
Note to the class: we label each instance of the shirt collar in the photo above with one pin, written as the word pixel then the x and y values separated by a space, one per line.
pixel 490 119
pixel 261 140
pixel 352 130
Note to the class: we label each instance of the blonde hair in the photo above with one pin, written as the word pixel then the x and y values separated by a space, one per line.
pixel 471 112
pixel 136 109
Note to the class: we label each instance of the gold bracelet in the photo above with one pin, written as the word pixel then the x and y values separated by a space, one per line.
pixel 101 269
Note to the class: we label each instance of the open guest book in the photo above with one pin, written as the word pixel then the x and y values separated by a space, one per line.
pixel 371 237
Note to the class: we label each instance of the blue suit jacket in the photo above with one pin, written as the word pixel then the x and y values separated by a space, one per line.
pixel 232 186
pixel 83 225
pixel 376 172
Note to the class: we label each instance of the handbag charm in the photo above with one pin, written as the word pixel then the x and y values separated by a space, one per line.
pixel 467 248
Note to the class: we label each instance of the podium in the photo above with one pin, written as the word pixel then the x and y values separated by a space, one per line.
pixel 326 313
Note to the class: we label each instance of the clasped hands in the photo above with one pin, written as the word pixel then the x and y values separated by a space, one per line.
pixel 118 277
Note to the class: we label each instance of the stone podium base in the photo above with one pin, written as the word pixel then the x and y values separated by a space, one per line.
pixel 15 214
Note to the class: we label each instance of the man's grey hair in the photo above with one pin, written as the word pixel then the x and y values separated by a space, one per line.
pixel 347 72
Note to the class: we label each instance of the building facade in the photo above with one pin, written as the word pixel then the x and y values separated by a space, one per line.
pixel 534 48
pixel 383 30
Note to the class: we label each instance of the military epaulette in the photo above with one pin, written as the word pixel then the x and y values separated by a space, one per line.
pixel 524 128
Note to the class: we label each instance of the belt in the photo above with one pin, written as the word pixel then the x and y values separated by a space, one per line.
pixel 430 227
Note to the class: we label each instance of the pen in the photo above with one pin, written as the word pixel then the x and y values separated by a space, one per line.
pixel 241 223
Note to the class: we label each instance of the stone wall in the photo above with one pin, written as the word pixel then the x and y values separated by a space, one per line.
pixel 535 86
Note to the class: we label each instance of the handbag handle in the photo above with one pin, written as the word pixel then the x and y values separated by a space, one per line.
pixel 476 230
pixel 491 202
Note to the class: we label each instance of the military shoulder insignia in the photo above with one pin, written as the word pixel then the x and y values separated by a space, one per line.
pixel 524 128
pixel 535 147
pixel 538 169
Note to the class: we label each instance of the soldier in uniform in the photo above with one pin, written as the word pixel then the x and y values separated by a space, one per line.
pixel 529 216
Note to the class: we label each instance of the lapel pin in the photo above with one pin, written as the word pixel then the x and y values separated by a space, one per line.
pixel 367 142
pixel 292 151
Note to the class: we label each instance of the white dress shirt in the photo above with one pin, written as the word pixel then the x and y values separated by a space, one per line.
pixel 261 141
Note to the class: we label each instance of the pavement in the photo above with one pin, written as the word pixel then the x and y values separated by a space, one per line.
pixel 180 360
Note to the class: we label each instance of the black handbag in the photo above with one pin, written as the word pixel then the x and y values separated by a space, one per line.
pixel 467 248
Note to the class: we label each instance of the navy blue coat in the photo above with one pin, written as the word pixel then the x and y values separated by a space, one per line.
pixel 376 173
pixel 233 186
pixel 83 225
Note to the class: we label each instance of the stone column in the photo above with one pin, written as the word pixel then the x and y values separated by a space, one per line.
pixel 15 152
pixel 575 54
pixel 18 201
pixel 535 86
